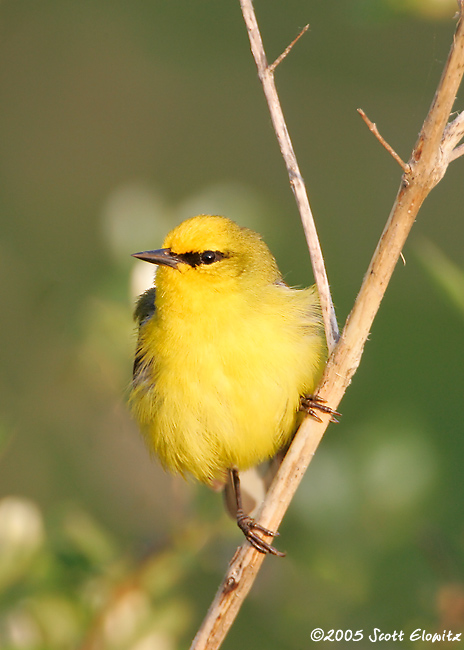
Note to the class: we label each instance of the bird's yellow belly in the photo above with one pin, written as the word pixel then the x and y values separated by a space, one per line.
pixel 220 396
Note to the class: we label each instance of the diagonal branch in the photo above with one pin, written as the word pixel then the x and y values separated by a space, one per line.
pixel 429 160
pixel 373 128
pixel 288 49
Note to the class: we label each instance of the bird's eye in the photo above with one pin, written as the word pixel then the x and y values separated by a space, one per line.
pixel 208 257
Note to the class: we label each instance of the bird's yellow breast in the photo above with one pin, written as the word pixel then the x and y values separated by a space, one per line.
pixel 223 370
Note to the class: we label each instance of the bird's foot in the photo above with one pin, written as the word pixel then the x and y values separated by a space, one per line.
pixel 309 403
pixel 249 527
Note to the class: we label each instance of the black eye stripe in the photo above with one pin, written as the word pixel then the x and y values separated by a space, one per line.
pixel 204 258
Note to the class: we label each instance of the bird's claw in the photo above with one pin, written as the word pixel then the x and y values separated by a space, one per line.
pixel 309 403
pixel 249 527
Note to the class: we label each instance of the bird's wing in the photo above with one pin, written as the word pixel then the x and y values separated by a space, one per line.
pixel 144 310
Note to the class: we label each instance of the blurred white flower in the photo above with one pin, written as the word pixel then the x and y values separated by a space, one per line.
pixel 21 535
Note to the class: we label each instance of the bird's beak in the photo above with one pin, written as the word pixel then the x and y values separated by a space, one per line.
pixel 163 257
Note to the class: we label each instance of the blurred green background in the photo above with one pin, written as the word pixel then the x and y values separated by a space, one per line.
pixel 119 119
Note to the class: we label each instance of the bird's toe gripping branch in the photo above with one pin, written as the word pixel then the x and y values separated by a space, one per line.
pixel 249 527
pixel 309 404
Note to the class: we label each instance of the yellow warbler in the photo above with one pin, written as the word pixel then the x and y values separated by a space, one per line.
pixel 226 350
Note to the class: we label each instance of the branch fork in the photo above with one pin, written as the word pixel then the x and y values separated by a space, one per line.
pixel 373 128
pixel 271 68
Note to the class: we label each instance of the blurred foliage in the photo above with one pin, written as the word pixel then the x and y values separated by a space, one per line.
pixel 381 10
pixel 447 276
pixel 74 586
pixel 117 121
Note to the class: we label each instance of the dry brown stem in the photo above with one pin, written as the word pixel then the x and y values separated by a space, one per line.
pixel 266 75
pixel 288 49
pixel 373 128
pixel 434 150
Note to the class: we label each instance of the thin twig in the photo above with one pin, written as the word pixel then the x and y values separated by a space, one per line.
pixel 459 151
pixel 266 75
pixel 288 49
pixel 454 132
pixel 373 128
pixel 345 360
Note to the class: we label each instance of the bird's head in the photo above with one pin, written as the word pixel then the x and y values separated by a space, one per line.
pixel 214 250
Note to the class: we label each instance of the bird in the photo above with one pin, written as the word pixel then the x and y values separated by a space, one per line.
pixel 227 359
